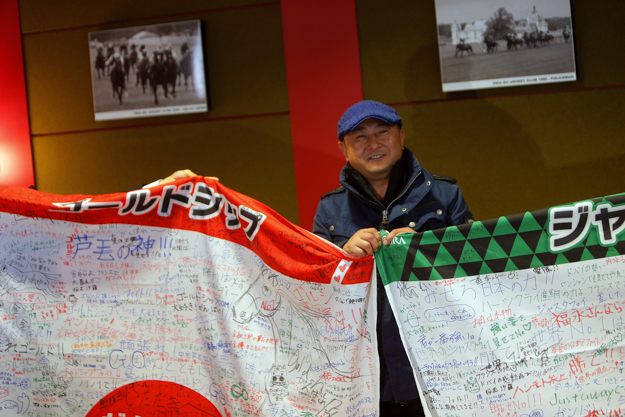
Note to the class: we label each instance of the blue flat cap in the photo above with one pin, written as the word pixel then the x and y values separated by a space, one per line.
pixel 364 110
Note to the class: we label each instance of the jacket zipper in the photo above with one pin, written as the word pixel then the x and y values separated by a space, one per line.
pixel 385 212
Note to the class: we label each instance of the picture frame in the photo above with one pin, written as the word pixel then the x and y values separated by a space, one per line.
pixel 147 71
pixel 504 43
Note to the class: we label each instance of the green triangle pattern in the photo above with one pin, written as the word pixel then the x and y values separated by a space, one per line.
pixel 445 252
pixel 586 255
pixel 485 269
pixel 469 254
pixel 478 231
pixel 529 223
pixel 536 263
pixel 612 252
pixel 510 266
pixel 435 275
pixel 459 272
pixel 443 257
pixel 543 244
pixel 520 247
pixel 494 251
pixel 503 227
pixel 420 260
pixel 561 259
pixel 429 239
pixel 452 235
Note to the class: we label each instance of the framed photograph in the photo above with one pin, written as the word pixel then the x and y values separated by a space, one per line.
pixel 145 71
pixel 504 43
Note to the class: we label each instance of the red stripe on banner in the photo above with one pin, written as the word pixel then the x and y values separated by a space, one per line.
pixel 324 79
pixel 205 206
pixel 16 161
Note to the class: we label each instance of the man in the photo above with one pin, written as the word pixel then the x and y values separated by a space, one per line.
pixel 383 186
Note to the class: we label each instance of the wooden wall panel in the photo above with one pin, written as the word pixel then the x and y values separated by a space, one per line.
pixel 400 61
pixel 245 71
pixel 510 155
pixel 253 156
pixel 40 15
pixel 512 149
pixel 244 139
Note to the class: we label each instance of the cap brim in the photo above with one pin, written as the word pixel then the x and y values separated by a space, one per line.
pixel 363 119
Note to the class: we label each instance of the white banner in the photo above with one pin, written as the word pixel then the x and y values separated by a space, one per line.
pixel 538 342
pixel 143 320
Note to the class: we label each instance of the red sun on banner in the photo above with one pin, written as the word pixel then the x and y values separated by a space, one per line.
pixel 154 398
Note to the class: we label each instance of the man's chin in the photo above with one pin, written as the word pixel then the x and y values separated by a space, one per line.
pixel 379 171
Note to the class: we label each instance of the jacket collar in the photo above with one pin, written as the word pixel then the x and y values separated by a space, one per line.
pixel 402 174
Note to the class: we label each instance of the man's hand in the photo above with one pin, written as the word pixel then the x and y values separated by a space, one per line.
pixel 389 238
pixel 363 243
pixel 183 173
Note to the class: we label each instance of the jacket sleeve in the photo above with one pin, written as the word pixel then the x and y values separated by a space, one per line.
pixel 319 227
pixel 340 233
pixel 459 212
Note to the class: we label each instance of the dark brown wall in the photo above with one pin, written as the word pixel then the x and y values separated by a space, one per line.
pixel 512 149
pixel 244 139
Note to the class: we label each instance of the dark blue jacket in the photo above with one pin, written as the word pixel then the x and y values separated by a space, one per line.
pixel 425 203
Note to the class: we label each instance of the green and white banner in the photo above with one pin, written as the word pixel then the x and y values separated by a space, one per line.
pixel 517 316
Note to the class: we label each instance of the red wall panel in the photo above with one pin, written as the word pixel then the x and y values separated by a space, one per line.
pixel 324 79
pixel 16 162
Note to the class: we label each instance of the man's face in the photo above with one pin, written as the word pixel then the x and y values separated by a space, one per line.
pixel 372 148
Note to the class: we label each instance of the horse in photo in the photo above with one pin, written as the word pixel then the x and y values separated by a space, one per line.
pixel 566 35
pixel 158 75
pixel 185 69
pixel 126 62
pixel 463 47
pixel 100 61
pixel 513 42
pixel 490 44
pixel 133 57
pixel 171 71
pixel 118 77
pixel 143 74
pixel 545 38
pixel 531 40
